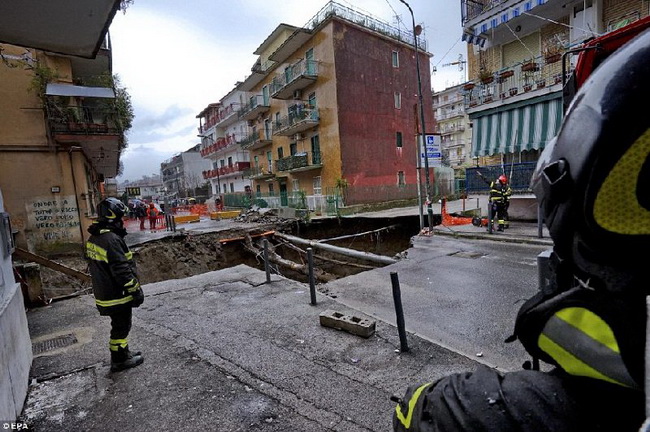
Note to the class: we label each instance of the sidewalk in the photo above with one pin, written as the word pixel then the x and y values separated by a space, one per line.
pixel 224 351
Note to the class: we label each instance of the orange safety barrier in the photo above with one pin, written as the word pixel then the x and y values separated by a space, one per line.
pixel 448 219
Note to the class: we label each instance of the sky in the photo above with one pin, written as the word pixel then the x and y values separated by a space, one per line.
pixel 176 57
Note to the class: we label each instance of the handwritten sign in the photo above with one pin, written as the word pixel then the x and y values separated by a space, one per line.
pixel 53 219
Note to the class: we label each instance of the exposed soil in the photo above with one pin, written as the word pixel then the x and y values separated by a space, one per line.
pixel 187 255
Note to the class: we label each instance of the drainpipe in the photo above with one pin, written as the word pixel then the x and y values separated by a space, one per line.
pixel 76 196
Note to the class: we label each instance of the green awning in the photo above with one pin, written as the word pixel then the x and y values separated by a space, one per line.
pixel 517 128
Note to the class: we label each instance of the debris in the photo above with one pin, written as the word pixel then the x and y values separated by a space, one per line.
pixel 479 354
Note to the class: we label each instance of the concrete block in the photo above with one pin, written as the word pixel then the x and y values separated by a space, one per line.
pixel 33 289
pixel 358 326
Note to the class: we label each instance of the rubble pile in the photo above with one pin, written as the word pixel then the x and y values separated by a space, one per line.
pixel 256 214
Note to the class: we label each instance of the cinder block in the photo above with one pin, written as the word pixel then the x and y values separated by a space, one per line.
pixel 358 326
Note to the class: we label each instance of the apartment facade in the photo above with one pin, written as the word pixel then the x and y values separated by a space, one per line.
pixel 223 129
pixel 452 123
pixel 331 107
pixel 182 173
pixel 60 138
pixel 514 98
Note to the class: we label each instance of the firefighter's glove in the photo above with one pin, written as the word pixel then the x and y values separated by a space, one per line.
pixel 138 298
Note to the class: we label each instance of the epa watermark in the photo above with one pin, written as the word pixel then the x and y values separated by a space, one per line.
pixel 13 426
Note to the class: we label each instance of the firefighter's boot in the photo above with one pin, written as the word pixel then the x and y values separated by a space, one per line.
pixel 124 359
pixel 500 227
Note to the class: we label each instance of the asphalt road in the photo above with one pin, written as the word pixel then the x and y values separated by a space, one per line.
pixel 463 294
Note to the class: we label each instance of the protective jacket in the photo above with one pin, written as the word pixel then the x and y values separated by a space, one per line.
pixel 113 271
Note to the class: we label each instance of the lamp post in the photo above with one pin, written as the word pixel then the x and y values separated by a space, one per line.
pixel 416 32
pixel 211 140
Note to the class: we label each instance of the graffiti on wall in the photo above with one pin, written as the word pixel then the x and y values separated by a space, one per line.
pixel 53 219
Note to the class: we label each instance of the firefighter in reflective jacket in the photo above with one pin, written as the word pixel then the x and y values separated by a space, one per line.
pixel 499 198
pixel 588 321
pixel 114 279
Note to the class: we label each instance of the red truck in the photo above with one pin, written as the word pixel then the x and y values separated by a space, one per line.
pixel 593 52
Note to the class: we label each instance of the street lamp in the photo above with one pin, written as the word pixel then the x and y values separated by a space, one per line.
pixel 416 32
pixel 209 137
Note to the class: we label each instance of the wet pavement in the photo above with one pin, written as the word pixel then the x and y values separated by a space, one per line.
pixel 227 351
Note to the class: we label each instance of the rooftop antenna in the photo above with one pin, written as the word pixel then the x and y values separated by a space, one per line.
pixel 461 66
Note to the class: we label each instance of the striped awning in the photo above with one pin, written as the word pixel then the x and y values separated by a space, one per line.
pixel 515 129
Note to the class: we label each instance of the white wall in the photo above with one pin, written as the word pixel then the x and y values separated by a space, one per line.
pixel 15 343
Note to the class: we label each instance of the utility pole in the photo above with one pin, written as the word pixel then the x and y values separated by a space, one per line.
pixel 416 32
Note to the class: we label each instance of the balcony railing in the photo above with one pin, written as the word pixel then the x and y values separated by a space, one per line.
pixel 220 144
pixel 78 120
pixel 300 120
pixel 296 77
pixel 300 162
pixel 333 8
pixel 259 172
pixel 227 116
pixel 527 78
pixel 255 140
pixel 235 168
pixel 256 105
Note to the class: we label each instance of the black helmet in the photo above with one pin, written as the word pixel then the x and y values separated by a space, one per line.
pixel 111 210
pixel 593 179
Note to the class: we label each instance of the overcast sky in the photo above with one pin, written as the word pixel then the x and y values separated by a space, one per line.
pixel 176 57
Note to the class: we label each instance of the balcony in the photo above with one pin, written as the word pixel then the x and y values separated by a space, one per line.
pixel 300 162
pixel 256 105
pixel 255 141
pixel 226 171
pixel 516 82
pixel 221 143
pixel 259 173
pixel 296 77
pixel 298 121
pixel 227 116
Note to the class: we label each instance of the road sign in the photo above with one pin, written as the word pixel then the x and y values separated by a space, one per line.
pixel 434 153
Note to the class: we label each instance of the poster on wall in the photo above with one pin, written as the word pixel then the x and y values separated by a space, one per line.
pixel 53 219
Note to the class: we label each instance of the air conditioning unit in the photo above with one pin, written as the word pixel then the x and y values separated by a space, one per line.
pixel 297 94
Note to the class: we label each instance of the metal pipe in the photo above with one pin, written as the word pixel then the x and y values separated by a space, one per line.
pixel 266 261
pixel 312 285
pixel 399 312
pixel 336 249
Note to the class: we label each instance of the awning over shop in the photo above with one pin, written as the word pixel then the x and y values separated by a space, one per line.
pixel 516 129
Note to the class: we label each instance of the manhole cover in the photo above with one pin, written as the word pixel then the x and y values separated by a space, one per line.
pixel 53 343
pixel 464 254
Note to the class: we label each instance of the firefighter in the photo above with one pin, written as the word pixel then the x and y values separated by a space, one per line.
pixel 114 279
pixel 499 198
pixel 589 319
pixel 507 193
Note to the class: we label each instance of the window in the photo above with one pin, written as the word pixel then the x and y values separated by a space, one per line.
pixel 229 161
pixel 271 192
pixel 401 179
pixel 258 189
pixel 315 150
pixel 317 187
pixel 269 159
pixel 395 59
pixel 280 152
pixel 293 148
pixel 295 185
pixel 398 100
pixel 232 187
pixel 311 100
pixel 398 139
